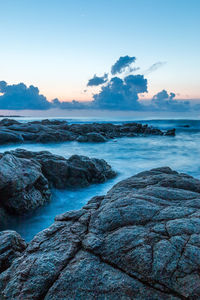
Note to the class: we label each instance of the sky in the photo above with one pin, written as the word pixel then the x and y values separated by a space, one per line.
pixel 58 45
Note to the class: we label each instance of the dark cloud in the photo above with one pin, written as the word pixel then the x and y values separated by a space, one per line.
pixel 121 93
pixel 122 63
pixel 165 101
pixel 155 67
pixel 96 80
pixel 19 96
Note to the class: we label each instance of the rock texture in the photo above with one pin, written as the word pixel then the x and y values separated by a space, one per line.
pixel 46 131
pixel 140 241
pixel 77 171
pixel 26 178
pixel 23 187
pixel 11 246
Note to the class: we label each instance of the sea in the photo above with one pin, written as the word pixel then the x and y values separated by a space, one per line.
pixel 127 156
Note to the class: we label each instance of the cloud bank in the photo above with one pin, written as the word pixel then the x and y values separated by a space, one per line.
pixel 165 101
pixel 19 96
pixel 115 93
pixel 121 93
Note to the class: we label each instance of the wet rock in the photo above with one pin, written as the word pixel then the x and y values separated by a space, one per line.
pixel 47 131
pixel 23 187
pixel 171 132
pixel 10 137
pixel 77 171
pixel 92 137
pixel 11 247
pixel 4 218
pixel 140 241
pixel 8 122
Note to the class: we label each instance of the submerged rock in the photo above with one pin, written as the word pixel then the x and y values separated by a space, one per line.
pixel 140 241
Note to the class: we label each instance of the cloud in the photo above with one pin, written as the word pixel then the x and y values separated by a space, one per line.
pixel 69 105
pixel 95 81
pixel 163 96
pixel 133 69
pixel 165 101
pixel 121 93
pixel 122 63
pixel 155 67
pixel 19 96
pixel 115 93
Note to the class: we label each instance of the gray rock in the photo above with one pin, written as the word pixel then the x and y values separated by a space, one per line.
pixel 77 171
pixel 170 132
pixel 10 137
pixel 140 241
pixel 92 137
pixel 11 247
pixel 8 122
pixel 23 187
pixel 47 131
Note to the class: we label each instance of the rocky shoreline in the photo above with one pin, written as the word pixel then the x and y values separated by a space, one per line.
pixel 139 241
pixel 47 131
pixel 26 178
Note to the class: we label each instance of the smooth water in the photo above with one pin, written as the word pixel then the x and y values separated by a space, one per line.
pixel 127 156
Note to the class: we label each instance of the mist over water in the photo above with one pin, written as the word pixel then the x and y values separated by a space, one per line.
pixel 127 156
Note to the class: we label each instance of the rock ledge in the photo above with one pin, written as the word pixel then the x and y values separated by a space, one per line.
pixel 140 241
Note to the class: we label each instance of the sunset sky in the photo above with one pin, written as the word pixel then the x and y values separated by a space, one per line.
pixel 59 45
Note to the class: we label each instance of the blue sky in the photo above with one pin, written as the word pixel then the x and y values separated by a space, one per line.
pixel 59 45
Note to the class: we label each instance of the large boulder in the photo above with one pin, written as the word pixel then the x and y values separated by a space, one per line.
pixel 7 137
pixel 77 171
pixel 92 137
pixel 23 187
pixel 11 247
pixel 140 241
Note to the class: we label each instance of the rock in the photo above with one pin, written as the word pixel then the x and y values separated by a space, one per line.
pixel 11 247
pixel 4 218
pixel 23 187
pixel 10 137
pixel 77 171
pixel 93 170
pixel 185 126
pixel 140 241
pixel 170 132
pixel 92 137
pixel 26 178
pixel 48 131
pixel 8 122
pixel 55 136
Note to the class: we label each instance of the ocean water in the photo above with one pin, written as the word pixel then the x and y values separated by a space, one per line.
pixel 127 156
